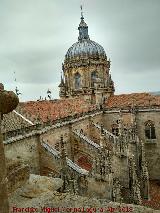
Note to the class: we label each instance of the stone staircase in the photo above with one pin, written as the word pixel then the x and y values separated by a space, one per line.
pixel 85 139
pixel 57 155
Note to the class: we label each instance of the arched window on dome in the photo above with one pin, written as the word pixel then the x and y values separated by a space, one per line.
pixel 77 81
pixel 150 130
pixel 94 76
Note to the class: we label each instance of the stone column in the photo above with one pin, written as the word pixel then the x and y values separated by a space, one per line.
pixel 8 102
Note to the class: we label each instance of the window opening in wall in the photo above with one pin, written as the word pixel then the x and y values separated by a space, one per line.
pixel 150 130
pixel 115 129
pixel 77 81
pixel 94 76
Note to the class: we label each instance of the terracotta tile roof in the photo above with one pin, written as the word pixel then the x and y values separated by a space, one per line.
pixel 12 121
pixel 136 99
pixel 54 109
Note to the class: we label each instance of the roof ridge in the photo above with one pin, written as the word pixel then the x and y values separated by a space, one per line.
pixel 30 122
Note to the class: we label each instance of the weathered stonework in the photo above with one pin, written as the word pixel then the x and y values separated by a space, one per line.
pixel 8 102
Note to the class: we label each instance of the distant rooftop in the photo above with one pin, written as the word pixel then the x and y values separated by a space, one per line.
pixel 155 93
pixel 136 99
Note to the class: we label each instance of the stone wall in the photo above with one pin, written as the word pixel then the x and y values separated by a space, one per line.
pixel 152 147
pixel 85 72
pixel 120 169
pixel 53 136
pixel 99 189
pixel 17 177
pixel 111 118
pixel 85 151
pixel 26 151
pixel 85 124
pixel 48 164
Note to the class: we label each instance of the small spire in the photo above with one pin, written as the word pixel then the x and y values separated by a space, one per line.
pixel 61 77
pixel 83 28
pixel 63 67
pixel 62 81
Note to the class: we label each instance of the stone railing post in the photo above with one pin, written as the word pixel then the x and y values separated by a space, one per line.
pixel 8 102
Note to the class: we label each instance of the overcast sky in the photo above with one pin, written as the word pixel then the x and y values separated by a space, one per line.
pixel 35 36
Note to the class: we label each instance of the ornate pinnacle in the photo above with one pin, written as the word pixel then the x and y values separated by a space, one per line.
pixel 63 150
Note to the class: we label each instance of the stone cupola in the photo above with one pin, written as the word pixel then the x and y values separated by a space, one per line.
pixel 86 69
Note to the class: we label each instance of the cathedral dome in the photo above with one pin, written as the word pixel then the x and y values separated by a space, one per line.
pixel 84 48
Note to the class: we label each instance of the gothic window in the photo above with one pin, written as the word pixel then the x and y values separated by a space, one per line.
pixel 115 129
pixel 150 130
pixel 77 81
pixel 94 76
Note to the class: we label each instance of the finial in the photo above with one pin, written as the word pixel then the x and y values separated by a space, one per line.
pixel 17 92
pixel 16 89
pixel 49 94
pixel 81 12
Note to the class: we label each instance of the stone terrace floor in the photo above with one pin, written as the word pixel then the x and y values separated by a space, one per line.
pixel 154 201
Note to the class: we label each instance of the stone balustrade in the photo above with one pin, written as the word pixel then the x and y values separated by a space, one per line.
pixel 57 155
pixel 86 139
pixel 112 138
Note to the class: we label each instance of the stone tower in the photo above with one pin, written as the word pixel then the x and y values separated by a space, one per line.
pixel 86 70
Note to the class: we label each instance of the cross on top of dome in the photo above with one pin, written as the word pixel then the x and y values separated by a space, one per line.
pixel 82 13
